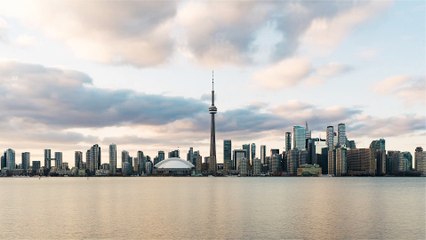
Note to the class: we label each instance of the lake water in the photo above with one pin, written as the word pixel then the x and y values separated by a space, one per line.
pixel 212 208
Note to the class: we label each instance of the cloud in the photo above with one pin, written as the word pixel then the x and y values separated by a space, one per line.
pixel 26 41
pixel 221 32
pixel 375 127
pixel 67 98
pixel 411 90
pixel 114 32
pixel 147 33
pixel 59 108
pixel 3 29
pixel 332 69
pixel 325 33
pixel 327 72
pixel 297 112
pixel 286 73
pixel 294 71
pixel 231 36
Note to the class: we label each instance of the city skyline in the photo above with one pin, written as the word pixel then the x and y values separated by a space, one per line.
pixel 141 80
pixel 333 140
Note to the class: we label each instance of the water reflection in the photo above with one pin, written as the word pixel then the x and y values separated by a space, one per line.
pixel 184 208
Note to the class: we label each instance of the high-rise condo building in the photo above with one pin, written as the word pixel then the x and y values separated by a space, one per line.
pixel 113 158
pixel 257 167
pixel 292 161
pixel 243 166
pixel 161 156
pixel 299 137
pixel 58 160
pixel 287 141
pixel 25 160
pixel 227 154
pixel 47 158
pixel 341 134
pixel 361 161
pixel 238 154
pixel 330 137
pixel 275 163
pixel 341 161
pixel 253 152
pixel 9 156
pixel 246 147
pixel 420 160
pixel 190 155
pixel 174 154
pixel 95 158
pixel 78 159
pixel 379 149
pixel 124 157
pixel 88 159
pixel 263 154
pixel 141 163
pixel 36 165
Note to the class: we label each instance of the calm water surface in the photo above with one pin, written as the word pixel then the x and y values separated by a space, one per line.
pixel 213 208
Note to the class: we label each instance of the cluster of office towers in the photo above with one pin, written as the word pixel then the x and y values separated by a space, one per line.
pixel 335 155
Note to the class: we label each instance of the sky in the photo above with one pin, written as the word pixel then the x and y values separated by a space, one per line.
pixel 138 73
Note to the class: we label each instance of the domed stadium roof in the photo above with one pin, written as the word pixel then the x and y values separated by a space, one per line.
pixel 174 163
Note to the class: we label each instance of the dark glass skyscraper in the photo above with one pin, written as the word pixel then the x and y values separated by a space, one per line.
pixel 47 158
pixel 213 111
pixel 227 151
pixel 246 147
pixel 25 160
pixel 287 141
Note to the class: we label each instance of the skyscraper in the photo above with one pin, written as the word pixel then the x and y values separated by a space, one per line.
pixel 78 159
pixel 420 159
pixel 262 154
pixel 124 157
pixel 227 154
pixel 161 156
pixel 141 162
pixel 299 137
pixel 246 147
pixel 3 161
pixel 238 154
pixel 190 155
pixel 330 137
pixel 213 111
pixel 253 152
pixel 10 159
pixel 174 154
pixel 379 149
pixel 95 158
pixel 58 160
pixel 307 131
pixel 113 158
pixel 47 158
pixel 341 134
pixel 287 141
pixel 25 160
pixel 341 161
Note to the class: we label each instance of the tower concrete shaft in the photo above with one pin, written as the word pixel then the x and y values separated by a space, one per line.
pixel 213 111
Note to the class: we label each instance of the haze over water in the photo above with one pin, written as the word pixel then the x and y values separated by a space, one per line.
pixel 194 208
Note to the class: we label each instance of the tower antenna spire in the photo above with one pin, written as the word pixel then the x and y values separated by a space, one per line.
pixel 212 80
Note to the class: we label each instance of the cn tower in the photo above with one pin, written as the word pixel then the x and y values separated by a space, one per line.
pixel 212 110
